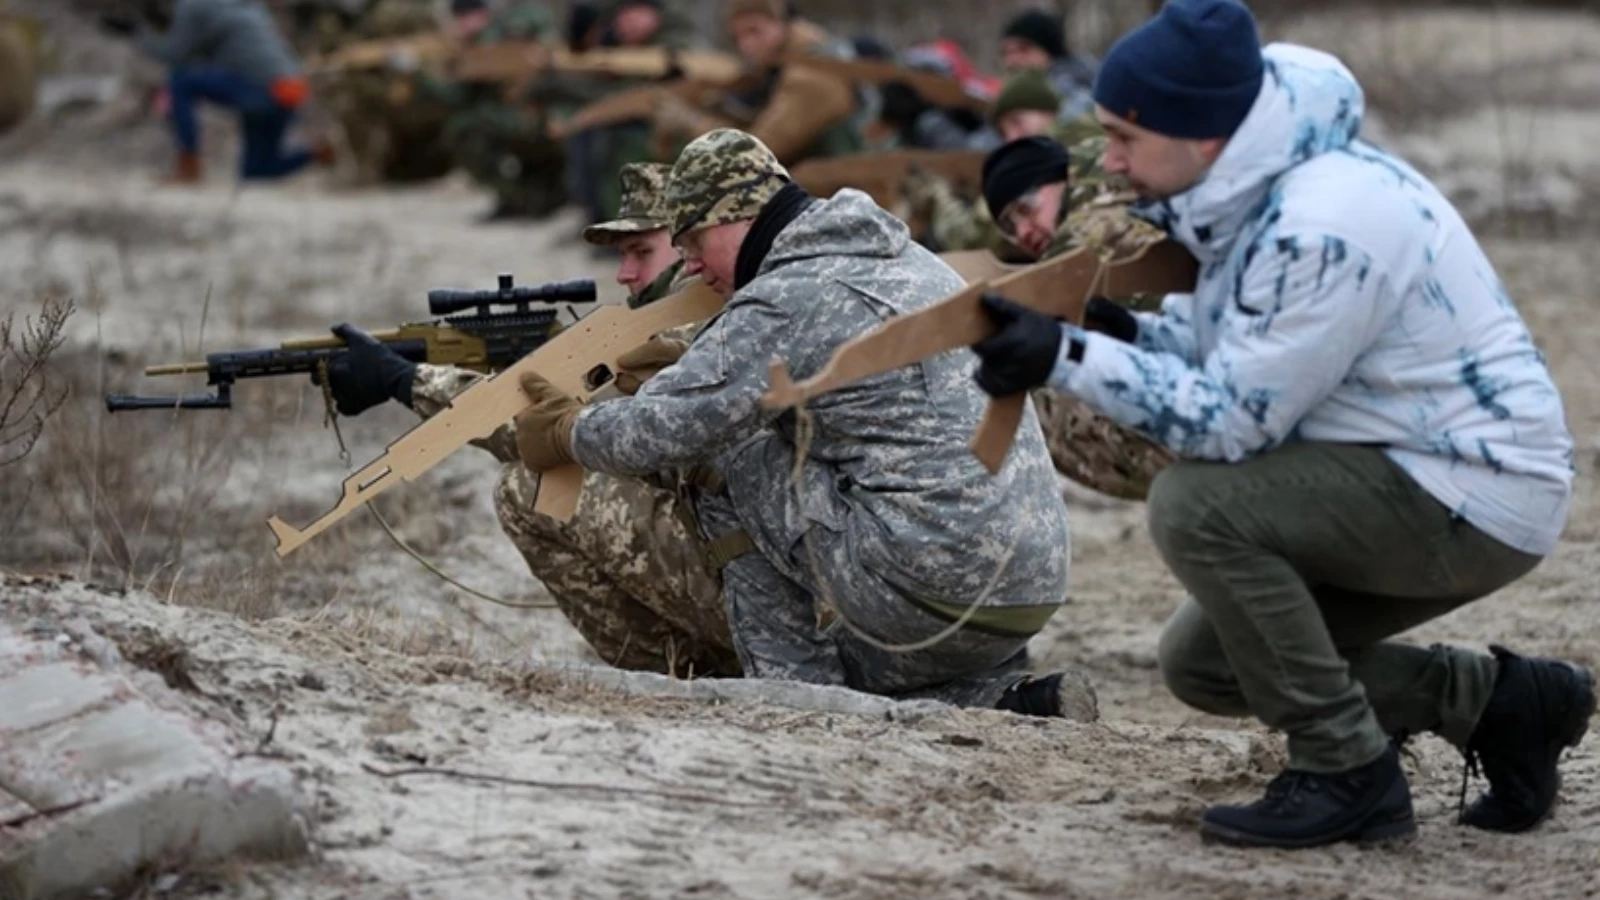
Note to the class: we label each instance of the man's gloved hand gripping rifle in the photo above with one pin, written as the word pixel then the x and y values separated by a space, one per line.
pixel 1059 287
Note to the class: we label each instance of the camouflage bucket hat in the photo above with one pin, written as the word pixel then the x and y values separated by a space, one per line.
pixel 643 188
pixel 723 176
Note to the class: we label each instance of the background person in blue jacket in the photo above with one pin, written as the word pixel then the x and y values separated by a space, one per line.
pixel 227 52
pixel 1368 436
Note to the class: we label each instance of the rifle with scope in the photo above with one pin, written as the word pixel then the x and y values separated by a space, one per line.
pixel 482 330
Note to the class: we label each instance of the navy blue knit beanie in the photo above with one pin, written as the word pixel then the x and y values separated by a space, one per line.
pixel 1193 71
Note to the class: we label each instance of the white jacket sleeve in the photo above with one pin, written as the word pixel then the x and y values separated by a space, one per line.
pixel 1293 326
pixel 1172 329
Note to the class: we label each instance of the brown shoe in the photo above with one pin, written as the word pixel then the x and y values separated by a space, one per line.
pixel 323 152
pixel 186 171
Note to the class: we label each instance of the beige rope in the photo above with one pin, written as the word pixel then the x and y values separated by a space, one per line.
pixel 803 436
pixel 802 444
pixel 445 577
pixel 331 420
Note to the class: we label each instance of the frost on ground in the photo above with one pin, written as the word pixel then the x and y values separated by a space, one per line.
pixel 360 665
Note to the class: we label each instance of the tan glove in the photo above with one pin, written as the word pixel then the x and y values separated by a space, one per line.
pixel 642 363
pixel 544 429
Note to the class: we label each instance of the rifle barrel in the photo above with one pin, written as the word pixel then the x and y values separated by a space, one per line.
pixel 188 368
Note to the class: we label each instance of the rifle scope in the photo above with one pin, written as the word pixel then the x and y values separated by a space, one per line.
pixel 444 301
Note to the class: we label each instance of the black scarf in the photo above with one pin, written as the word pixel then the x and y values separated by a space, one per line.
pixel 785 206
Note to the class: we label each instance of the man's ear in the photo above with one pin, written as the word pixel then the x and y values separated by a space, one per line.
pixel 1210 149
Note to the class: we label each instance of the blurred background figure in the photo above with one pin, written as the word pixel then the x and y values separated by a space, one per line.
pixel 230 53
pixel 1037 39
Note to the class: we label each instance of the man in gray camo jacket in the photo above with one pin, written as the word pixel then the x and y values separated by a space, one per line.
pixel 888 528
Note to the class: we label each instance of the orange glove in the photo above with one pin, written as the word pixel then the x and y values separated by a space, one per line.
pixel 544 429
pixel 642 363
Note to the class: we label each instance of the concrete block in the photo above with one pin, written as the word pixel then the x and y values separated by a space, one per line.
pixel 100 779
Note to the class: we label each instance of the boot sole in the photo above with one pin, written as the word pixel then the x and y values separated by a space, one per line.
pixel 1363 833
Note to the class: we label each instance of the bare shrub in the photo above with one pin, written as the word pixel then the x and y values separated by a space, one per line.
pixel 29 395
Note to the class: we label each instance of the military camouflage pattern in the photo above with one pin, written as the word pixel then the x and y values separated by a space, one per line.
pixel 505 148
pixel 642 206
pixel 389 129
pixel 499 141
pixel 625 570
pixel 723 176
pixel 957 223
pixel 1098 211
pixel 889 511
pixel 668 282
pixel 1085 446
pixel 323 26
pixel 950 221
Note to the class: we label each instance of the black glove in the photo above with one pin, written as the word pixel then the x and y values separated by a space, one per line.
pixel 367 374
pixel 1108 318
pixel 901 104
pixel 1022 353
pixel 118 23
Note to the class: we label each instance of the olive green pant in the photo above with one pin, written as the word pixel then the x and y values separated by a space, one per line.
pixel 1301 564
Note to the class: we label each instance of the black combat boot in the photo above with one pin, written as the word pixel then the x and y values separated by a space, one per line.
pixel 1059 695
pixel 1539 708
pixel 1307 809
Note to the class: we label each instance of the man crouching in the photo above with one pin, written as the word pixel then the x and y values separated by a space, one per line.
pixel 1368 436
pixel 868 506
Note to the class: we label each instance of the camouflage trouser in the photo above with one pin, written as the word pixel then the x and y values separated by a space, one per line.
pixel 505 149
pixel 625 572
pixel 782 631
pixel 1095 451
pixel 393 133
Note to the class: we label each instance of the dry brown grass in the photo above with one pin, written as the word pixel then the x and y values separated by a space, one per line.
pixel 174 502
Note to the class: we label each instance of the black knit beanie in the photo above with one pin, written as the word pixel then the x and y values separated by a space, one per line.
pixel 1020 166
pixel 1046 30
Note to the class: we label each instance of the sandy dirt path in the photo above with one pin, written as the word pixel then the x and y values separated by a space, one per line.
pixel 365 660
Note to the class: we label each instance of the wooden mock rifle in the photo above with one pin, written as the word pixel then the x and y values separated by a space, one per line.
pixel 1057 287
pixel 582 358
pixel 939 90
pixel 883 174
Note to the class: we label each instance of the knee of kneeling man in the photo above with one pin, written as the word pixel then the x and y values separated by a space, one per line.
pixel 1181 500
pixel 1187 671
pixel 514 493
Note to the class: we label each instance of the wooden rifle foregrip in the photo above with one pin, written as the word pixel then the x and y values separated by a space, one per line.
pixel 998 429
pixel 559 490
